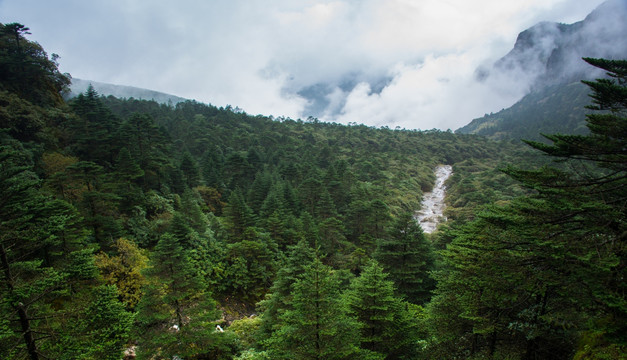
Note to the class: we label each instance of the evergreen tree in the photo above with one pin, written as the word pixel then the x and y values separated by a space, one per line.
pixel 149 146
pixel 43 260
pixel 279 298
pixel 259 191
pixel 26 70
pixel 107 325
pixel 212 164
pixel 93 129
pixel 386 327
pixel 190 170
pixel 238 215
pixel 317 326
pixel 587 201
pixel 174 316
pixel 509 284
pixel 251 265
pixel 126 168
pixel 407 256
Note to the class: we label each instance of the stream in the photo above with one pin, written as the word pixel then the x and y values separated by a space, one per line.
pixel 431 213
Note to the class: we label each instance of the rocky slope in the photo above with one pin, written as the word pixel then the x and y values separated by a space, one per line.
pixel 548 59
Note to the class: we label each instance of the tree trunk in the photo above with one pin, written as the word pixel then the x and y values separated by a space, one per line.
pixel 29 340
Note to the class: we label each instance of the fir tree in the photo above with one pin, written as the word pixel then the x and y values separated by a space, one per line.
pixel 386 327
pixel 174 316
pixel 279 298
pixel 43 259
pixel 407 256
pixel 317 326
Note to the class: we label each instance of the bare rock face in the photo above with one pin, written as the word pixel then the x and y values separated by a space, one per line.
pixel 431 213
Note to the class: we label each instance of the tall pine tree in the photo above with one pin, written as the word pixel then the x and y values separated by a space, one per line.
pixel 407 256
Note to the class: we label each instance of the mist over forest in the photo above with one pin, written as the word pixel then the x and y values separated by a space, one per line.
pixel 135 224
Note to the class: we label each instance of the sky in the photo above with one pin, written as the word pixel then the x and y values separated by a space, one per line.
pixel 397 63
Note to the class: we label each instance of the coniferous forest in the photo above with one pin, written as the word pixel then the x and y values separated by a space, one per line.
pixel 133 229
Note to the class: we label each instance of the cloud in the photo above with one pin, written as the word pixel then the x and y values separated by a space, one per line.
pixel 395 62
pixel 441 92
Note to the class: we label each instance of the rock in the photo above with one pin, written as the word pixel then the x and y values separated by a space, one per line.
pixel 432 211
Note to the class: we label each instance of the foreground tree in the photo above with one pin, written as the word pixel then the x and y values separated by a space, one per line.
pixel 407 256
pixel 386 326
pixel 176 316
pixel 47 273
pixel 316 326
pixel 509 287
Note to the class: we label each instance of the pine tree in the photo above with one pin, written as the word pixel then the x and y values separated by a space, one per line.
pixel 386 327
pixel 26 70
pixel 107 325
pixel 190 170
pixel 238 215
pixel 149 146
pixel 407 256
pixel 508 284
pixel 126 167
pixel 587 201
pixel 259 191
pixel 279 298
pixel 43 258
pixel 93 129
pixel 317 326
pixel 174 316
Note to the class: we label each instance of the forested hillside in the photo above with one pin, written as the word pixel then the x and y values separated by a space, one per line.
pixel 554 109
pixel 198 232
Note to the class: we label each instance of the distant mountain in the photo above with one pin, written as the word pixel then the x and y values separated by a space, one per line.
pixel 550 110
pixel 547 57
pixel 80 86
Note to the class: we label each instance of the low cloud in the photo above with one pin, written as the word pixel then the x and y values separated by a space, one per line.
pixel 404 63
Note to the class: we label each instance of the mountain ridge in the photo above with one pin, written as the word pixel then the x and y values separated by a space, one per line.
pixel 79 86
pixel 549 56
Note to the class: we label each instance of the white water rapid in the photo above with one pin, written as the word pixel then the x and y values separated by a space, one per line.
pixel 433 205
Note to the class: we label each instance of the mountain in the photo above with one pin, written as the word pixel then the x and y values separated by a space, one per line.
pixel 548 59
pixel 80 86
pixel 552 109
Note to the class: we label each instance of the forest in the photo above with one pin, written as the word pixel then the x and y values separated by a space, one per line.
pixel 133 229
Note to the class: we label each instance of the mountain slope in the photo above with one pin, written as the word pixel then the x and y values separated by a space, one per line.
pixel 553 109
pixel 547 57
pixel 79 86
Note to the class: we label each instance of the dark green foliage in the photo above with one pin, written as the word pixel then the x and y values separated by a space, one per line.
pixel 238 216
pixel 107 324
pixel 148 145
pixel 93 131
pixel 251 265
pixel 407 256
pixel 385 324
pixel 279 298
pixel 126 168
pixel 26 70
pixel 220 200
pixel 508 285
pixel 316 326
pixel 44 261
pixel 176 315
pixel 189 168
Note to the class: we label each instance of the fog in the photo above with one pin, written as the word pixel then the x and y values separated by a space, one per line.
pixel 396 63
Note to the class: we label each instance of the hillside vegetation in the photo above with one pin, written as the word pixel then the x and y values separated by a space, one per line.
pixel 554 109
pixel 199 232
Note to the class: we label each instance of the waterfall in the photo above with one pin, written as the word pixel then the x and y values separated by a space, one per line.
pixel 431 213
